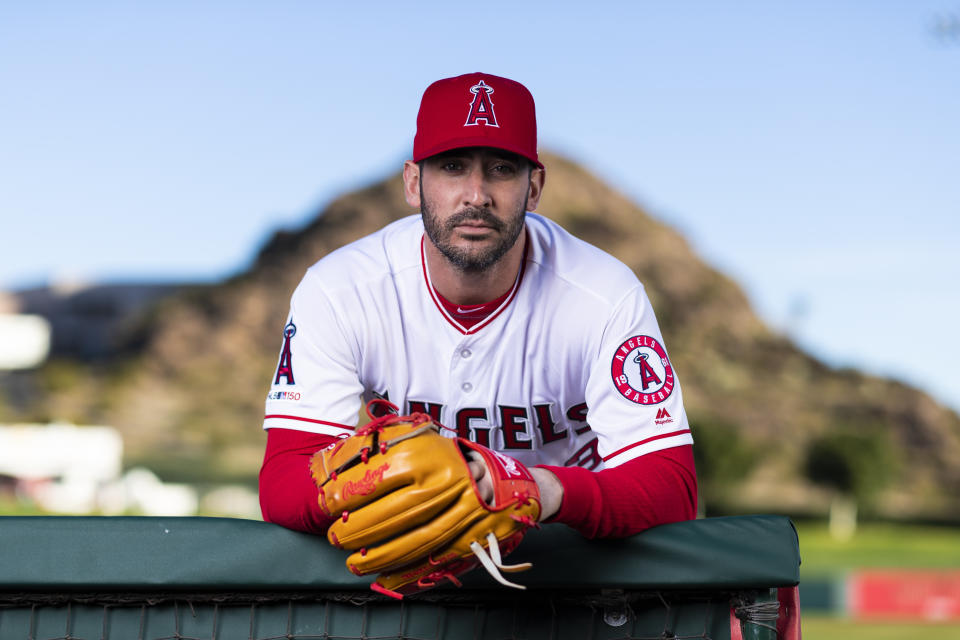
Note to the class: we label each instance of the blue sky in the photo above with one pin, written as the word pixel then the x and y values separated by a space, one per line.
pixel 807 149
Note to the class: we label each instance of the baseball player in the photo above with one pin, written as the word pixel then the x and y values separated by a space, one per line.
pixel 494 321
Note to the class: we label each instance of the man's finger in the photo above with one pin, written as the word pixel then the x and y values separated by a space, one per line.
pixel 479 472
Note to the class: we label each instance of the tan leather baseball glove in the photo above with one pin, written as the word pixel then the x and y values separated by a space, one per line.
pixel 409 509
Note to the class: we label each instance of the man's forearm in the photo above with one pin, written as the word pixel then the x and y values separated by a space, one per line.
pixel 288 495
pixel 654 489
pixel 551 491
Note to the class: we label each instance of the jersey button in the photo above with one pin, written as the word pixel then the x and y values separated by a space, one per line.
pixel 466 353
pixel 466 386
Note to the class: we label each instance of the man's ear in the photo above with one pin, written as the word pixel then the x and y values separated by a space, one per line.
pixel 411 183
pixel 538 177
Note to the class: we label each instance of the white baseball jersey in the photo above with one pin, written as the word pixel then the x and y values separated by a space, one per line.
pixel 570 369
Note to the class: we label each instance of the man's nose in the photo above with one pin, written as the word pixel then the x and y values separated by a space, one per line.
pixel 477 190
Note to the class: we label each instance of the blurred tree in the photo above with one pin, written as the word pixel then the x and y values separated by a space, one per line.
pixel 722 456
pixel 855 466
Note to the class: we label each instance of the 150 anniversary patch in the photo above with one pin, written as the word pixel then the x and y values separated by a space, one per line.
pixel 641 371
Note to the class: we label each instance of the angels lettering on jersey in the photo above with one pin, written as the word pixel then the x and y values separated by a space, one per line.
pixel 516 427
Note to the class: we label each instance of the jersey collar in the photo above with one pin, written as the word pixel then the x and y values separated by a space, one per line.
pixel 456 324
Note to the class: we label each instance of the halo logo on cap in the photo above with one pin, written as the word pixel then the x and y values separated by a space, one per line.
pixel 481 107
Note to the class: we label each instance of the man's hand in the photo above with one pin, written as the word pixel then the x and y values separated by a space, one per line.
pixel 551 491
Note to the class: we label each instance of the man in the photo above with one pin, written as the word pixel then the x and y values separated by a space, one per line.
pixel 493 320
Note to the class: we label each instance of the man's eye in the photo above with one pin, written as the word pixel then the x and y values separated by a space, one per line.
pixel 504 169
pixel 451 166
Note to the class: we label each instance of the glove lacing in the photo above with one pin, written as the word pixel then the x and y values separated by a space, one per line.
pixel 493 563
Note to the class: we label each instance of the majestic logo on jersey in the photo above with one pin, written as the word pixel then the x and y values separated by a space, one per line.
pixel 642 372
pixel 285 367
pixel 662 416
pixel 481 108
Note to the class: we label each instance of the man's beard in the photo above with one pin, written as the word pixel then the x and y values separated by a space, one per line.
pixel 468 260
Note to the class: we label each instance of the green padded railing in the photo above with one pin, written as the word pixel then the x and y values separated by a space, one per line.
pixel 100 578
pixel 139 553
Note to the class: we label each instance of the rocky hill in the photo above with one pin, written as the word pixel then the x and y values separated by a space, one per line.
pixel 776 429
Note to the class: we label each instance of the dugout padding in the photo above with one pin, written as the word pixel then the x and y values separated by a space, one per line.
pixel 138 577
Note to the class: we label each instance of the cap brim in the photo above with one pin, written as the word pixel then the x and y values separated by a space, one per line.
pixel 474 141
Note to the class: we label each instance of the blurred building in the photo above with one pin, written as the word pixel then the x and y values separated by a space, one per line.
pixel 24 338
pixel 61 467
pixel 64 468
pixel 87 320
pixel 24 341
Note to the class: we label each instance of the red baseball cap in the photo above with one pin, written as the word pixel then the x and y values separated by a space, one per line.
pixel 476 110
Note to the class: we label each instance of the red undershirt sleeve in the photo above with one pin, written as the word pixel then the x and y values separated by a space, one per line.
pixel 654 489
pixel 288 496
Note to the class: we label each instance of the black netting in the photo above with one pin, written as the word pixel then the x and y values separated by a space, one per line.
pixel 610 615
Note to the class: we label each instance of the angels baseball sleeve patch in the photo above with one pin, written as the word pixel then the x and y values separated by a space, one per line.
pixel 641 371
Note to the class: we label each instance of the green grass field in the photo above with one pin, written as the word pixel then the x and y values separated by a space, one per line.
pixel 11 507
pixel 820 627
pixel 878 546
pixel 875 546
